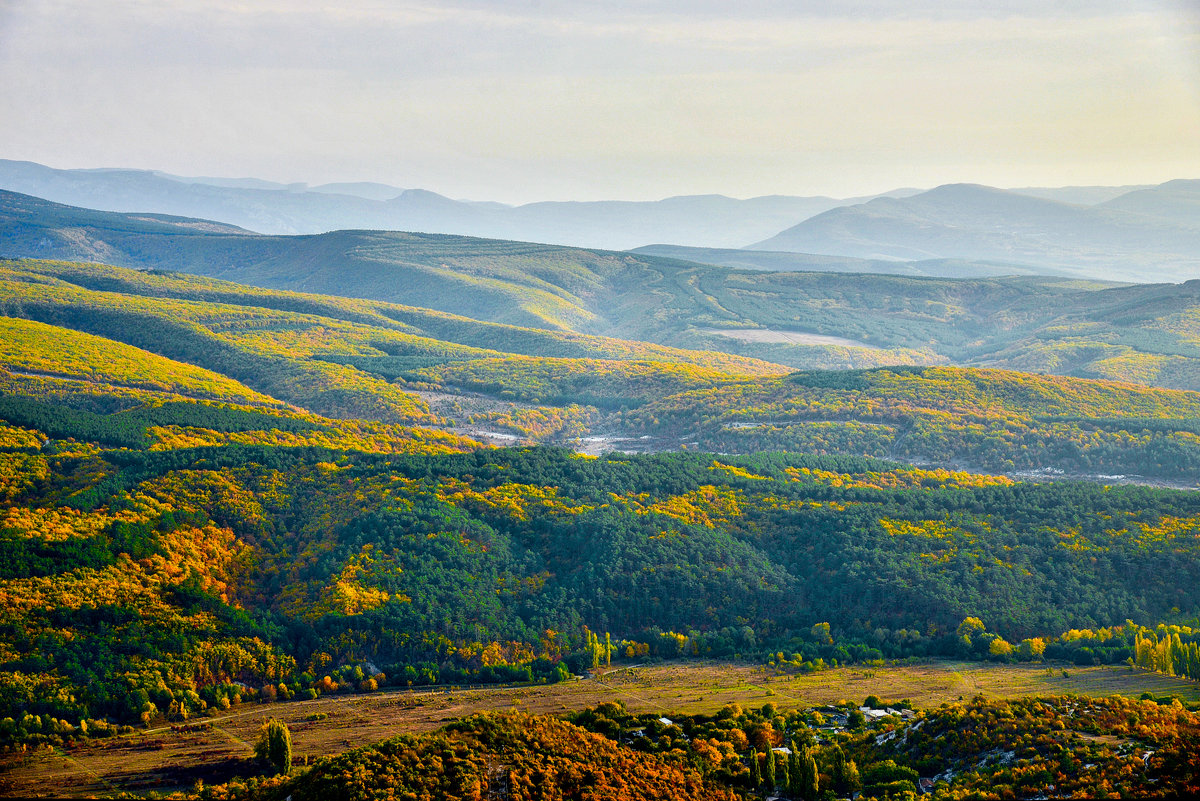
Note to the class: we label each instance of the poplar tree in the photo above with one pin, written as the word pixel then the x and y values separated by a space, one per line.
pixel 809 778
pixel 783 775
pixel 853 780
pixel 794 771
pixel 837 769
pixel 275 745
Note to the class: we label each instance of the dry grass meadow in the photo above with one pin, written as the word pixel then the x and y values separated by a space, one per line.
pixel 218 749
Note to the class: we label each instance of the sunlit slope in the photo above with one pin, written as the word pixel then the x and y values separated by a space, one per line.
pixel 360 362
pixel 64 391
pixel 374 362
pixel 232 340
pixel 418 327
pixel 300 349
pixel 32 348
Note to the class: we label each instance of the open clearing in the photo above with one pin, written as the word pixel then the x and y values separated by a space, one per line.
pixel 773 336
pixel 163 760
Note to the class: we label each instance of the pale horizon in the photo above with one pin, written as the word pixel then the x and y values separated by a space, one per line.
pixel 650 199
pixel 541 101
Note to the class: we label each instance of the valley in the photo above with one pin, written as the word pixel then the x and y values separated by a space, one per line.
pixel 222 502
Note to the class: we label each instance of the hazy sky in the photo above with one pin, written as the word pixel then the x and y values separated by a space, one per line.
pixel 589 99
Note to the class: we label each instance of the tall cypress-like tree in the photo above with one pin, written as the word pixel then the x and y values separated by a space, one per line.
pixel 837 768
pixel 794 771
pixel 783 773
pixel 809 777
pixel 853 780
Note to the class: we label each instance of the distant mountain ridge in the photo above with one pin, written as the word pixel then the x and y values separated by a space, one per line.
pixel 1175 200
pixel 1080 195
pixel 1134 233
pixel 275 208
pixel 1118 240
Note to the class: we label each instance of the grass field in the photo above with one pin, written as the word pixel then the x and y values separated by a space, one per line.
pixel 162 759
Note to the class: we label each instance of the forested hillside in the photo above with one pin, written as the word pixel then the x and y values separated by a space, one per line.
pixel 147 583
pixel 498 756
pixel 993 419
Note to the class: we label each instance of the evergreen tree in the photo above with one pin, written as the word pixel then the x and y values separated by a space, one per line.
pixel 755 772
pixel 769 770
pixel 783 774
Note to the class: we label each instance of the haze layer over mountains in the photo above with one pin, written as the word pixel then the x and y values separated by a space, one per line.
pixel 273 208
pixel 1132 233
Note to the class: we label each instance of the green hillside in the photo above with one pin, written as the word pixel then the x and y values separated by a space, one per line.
pixel 330 356
pixel 35 349
pixel 87 336
pixel 1043 324
pixel 1145 333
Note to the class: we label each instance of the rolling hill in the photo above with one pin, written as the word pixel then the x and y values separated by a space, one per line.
pixel 1144 333
pixel 354 361
pixel 1177 201
pixel 995 420
pixel 489 756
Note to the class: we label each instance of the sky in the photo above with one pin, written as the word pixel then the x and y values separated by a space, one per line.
pixel 610 99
